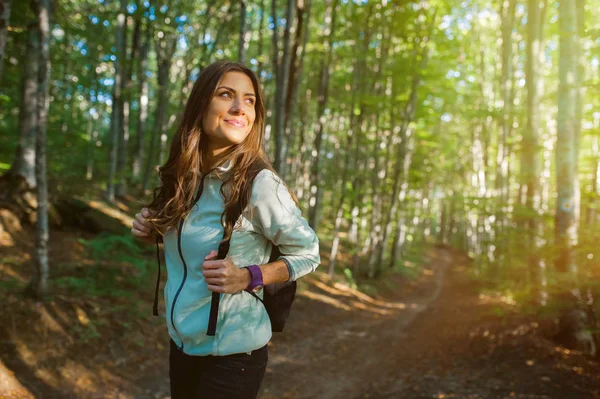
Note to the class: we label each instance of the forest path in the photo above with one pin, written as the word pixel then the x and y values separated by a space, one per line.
pixel 441 339
pixel 435 336
pixel 338 351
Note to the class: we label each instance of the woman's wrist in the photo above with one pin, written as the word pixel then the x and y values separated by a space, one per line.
pixel 245 278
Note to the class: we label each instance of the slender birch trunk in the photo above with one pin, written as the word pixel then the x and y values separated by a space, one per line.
pixel 24 163
pixel 244 38
pixel 4 20
pixel 113 178
pixel 42 232
pixel 143 114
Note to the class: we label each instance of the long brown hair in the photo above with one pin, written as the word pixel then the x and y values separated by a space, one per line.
pixel 180 175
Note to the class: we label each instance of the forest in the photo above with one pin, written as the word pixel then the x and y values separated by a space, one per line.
pixel 446 153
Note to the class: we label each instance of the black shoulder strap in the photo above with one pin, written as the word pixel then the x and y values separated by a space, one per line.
pixel 257 167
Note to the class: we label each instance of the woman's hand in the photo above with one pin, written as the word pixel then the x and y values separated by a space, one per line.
pixel 142 228
pixel 223 276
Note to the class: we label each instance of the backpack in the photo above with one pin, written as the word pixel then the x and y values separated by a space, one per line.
pixel 278 297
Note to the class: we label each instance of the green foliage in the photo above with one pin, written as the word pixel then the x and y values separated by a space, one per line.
pixel 117 248
pixel 122 267
pixel 349 278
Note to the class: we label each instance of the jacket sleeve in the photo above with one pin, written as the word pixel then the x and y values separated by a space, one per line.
pixel 275 215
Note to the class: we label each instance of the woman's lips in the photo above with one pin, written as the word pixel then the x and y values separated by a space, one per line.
pixel 235 123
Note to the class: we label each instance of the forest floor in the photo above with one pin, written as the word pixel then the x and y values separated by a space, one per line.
pixel 432 336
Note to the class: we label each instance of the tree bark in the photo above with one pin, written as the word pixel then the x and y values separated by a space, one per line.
pixel 4 21
pixel 164 57
pixel 502 159
pixel 567 202
pixel 116 121
pixel 42 233
pixel 127 87
pixel 530 168
pixel 143 114
pixel 244 35
pixel 282 80
pixel 24 163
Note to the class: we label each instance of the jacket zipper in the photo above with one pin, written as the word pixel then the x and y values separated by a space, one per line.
pixel 182 281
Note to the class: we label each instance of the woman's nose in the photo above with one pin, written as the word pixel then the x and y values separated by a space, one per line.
pixel 237 107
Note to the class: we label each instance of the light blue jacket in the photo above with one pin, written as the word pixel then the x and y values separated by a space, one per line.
pixel 243 325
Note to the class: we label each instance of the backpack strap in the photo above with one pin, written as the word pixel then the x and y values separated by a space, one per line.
pixel 155 307
pixel 224 250
pixel 216 297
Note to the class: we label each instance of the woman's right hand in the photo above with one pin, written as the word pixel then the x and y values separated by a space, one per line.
pixel 142 228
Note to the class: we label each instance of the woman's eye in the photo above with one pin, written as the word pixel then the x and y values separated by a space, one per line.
pixel 226 93
pixel 250 101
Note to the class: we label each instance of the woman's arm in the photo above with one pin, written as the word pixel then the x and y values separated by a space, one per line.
pixel 224 276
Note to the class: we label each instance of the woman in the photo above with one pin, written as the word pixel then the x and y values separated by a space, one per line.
pixel 218 144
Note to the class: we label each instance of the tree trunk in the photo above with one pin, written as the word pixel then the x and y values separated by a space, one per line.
pixel 91 134
pixel 313 214
pixel 530 169
pixel 24 163
pixel 567 210
pixel 508 17
pixel 244 34
pixel 294 110
pixel 282 79
pixel 40 285
pixel 127 87
pixel 143 114
pixel 116 122
pixel 4 21
pixel 164 57
pixel 573 321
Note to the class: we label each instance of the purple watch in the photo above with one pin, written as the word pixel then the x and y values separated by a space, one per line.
pixel 256 279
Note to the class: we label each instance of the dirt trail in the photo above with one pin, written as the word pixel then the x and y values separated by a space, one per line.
pixel 333 353
pixel 431 337
pixel 442 339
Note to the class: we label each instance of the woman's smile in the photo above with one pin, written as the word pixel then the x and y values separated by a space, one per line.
pixel 235 123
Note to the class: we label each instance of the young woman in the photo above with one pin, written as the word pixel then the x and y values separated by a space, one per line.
pixel 216 148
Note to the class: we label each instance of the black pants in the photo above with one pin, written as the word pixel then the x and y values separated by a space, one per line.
pixel 216 377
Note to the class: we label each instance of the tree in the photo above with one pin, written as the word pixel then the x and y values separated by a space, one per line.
pixel 24 163
pixel 117 105
pixel 40 282
pixel 4 19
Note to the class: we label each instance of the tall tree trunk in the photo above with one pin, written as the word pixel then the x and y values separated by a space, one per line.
pixel 143 114
pixel 4 20
pixel 282 79
pixel 261 29
pixel 24 163
pixel 567 202
pixel 508 17
pixel 530 169
pixel 116 122
pixel 573 322
pixel 165 49
pixel 244 34
pixel 127 87
pixel 42 232
pixel 91 135
pixel 323 96
pixel 295 68
pixel 293 111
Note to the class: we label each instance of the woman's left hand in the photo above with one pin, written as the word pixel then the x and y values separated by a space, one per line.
pixel 223 275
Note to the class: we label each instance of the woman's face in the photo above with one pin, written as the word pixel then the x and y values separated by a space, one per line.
pixel 230 115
